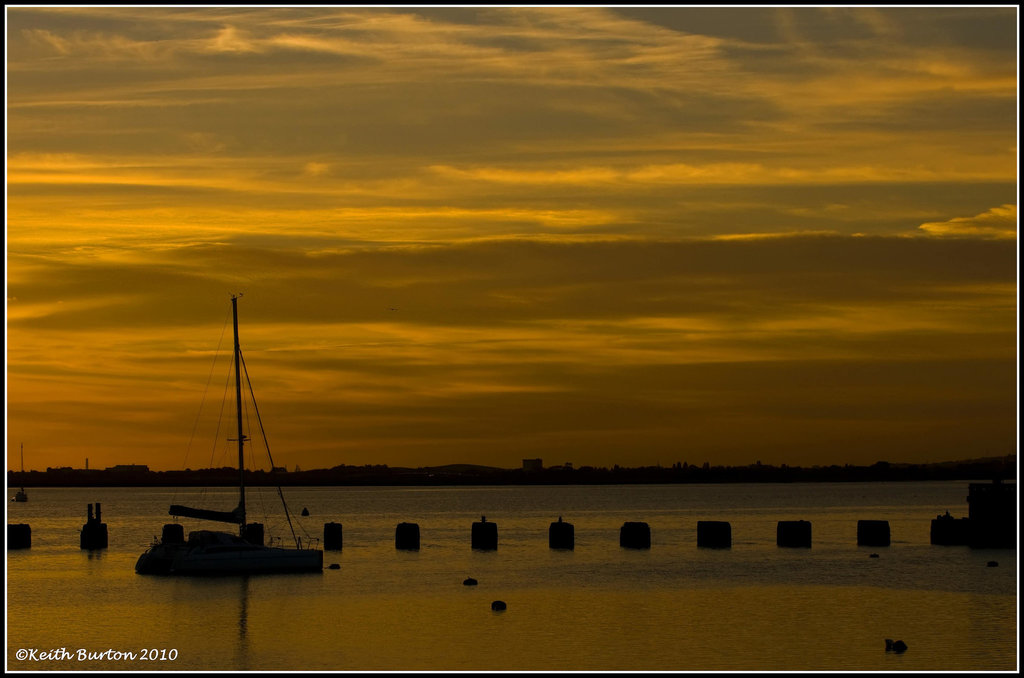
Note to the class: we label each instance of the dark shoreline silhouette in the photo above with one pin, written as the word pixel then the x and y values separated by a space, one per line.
pixel 1003 468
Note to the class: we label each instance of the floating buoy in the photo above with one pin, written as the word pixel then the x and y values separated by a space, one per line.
pixel 498 605
pixel 895 646
pixel 469 581
pixel 873 555
pixel 993 563
pixel 305 511
pixel 334 566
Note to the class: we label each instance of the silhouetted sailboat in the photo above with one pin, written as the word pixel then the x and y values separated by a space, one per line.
pixel 20 495
pixel 212 552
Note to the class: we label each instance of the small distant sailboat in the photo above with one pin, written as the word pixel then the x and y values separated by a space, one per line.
pixel 21 495
pixel 212 552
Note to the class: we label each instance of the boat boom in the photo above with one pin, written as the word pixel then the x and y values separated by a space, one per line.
pixel 237 516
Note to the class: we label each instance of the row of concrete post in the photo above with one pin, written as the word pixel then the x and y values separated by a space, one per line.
pixel 93 534
pixel 484 534
pixel 636 535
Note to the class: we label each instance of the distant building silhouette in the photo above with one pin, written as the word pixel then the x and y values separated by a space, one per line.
pixel 533 464
pixel 134 468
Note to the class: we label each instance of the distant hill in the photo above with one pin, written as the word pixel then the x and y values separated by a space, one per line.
pixel 979 469
pixel 463 468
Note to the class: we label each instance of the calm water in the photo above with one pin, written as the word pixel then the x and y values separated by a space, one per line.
pixel 600 607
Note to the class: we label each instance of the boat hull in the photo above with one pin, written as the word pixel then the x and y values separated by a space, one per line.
pixel 228 555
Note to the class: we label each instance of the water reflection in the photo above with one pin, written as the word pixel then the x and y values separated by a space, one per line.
pixel 243 622
pixel 674 606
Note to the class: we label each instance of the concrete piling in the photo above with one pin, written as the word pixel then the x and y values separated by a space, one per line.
pixel 993 515
pixel 332 536
pixel 485 535
pixel 635 535
pixel 407 537
pixel 949 531
pixel 715 534
pixel 94 532
pixel 793 533
pixel 19 536
pixel 561 535
pixel 873 533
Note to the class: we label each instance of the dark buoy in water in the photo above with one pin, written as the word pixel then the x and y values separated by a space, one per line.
pixel 895 646
pixel 94 532
pixel 485 535
pixel 873 533
pixel 715 534
pixel 993 563
pixel 561 535
pixel 305 511
pixel 498 605
pixel 332 536
pixel 19 536
pixel 873 555
pixel 635 535
pixel 469 581
pixel 793 533
pixel 407 537
pixel 334 566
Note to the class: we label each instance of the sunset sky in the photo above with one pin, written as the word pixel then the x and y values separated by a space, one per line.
pixel 477 235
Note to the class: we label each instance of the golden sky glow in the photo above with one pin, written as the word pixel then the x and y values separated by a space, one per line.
pixel 477 235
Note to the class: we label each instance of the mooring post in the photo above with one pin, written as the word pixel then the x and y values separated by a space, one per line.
pixel 793 533
pixel 332 536
pixel 715 534
pixel 484 535
pixel 407 537
pixel 19 536
pixel 635 535
pixel 94 532
pixel 873 533
pixel 561 535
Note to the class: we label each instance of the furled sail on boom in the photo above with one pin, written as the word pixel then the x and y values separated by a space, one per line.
pixel 237 516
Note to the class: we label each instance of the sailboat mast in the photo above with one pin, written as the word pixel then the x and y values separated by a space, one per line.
pixel 238 409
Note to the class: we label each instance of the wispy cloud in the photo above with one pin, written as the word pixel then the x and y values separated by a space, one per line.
pixel 998 222
pixel 602 230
